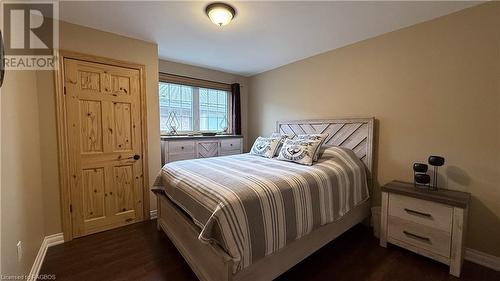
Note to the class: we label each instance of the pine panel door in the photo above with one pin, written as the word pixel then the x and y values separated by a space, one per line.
pixel 103 116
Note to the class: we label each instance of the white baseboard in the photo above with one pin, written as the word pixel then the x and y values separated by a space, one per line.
pixel 153 214
pixel 483 259
pixel 48 241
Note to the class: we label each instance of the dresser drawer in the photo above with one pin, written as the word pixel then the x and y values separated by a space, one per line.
pixel 230 152
pixel 181 156
pixel 175 147
pixel 422 212
pixel 230 144
pixel 431 239
pixel 208 149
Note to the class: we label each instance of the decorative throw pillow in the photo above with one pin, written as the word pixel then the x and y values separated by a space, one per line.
pixel 282 138
pixel 317 137
pixel 300 151
pixel 265 147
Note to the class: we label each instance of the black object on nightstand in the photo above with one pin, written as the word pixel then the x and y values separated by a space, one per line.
pixel 436 161
pixel 420 176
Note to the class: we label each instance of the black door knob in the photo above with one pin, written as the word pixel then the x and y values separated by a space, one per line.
pixel 137 157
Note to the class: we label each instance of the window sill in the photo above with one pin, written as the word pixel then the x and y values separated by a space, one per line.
pixel 187 137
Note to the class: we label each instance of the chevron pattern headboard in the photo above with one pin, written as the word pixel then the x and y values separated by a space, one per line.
pixel 352 133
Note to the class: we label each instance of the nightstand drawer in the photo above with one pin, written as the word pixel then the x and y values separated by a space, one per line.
pixel 423 212
pixel 423 237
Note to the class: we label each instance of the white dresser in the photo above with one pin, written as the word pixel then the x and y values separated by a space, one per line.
pixel 176 148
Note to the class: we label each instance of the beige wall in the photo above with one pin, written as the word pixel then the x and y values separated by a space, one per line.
pixel 212 75
pixel 433 87
pixel 1 182
pixel 22 209
pixel 91 41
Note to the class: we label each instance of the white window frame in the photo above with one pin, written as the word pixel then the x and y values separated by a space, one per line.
pixel 196 112
pixel 196 109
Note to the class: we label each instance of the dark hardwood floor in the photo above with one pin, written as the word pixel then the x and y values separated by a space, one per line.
pixel 140 252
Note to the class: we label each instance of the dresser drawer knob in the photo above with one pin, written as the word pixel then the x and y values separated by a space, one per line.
pixel 182 147
pixel 417 213
pixel 417 237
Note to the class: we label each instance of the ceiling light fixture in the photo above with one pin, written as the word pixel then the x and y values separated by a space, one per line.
pixel 220 13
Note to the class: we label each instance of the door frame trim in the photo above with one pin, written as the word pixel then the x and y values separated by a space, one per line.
pixel 62 142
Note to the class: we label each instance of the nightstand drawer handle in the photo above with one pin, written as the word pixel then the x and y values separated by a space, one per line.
pixel 415 236
pixel 413 212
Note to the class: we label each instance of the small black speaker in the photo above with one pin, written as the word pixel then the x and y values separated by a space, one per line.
pixel 422 179
pixel 436 160
pixel 420 176
pixel 420 167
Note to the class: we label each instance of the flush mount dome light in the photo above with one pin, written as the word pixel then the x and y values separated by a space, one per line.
pixel 220 13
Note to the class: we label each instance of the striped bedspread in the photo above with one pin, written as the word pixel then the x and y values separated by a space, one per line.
pixel 253 206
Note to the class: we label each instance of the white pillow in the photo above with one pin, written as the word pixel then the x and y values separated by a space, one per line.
pixel 300 151
pixel 265 147
pixel 317 137
pixel 281 135
pixel 282 138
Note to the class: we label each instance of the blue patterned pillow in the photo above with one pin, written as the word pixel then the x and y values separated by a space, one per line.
pixel 300 151
pixel 282 138
pixel 265 147
pixel 317 137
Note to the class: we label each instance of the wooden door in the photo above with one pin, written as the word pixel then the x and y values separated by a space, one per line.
pixel 103 113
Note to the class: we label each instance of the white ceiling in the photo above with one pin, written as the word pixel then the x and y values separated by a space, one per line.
pixel 263 36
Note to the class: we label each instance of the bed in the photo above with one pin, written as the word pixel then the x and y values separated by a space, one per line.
pixel 245 217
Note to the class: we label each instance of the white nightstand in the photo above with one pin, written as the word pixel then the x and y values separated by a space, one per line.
pixel 430 223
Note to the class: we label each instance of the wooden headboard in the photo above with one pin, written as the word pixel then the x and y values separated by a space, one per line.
pixel 352 133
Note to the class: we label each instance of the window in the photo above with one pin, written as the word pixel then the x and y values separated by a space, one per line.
pixel 178 99
pixel 197 109
pixel 213 109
